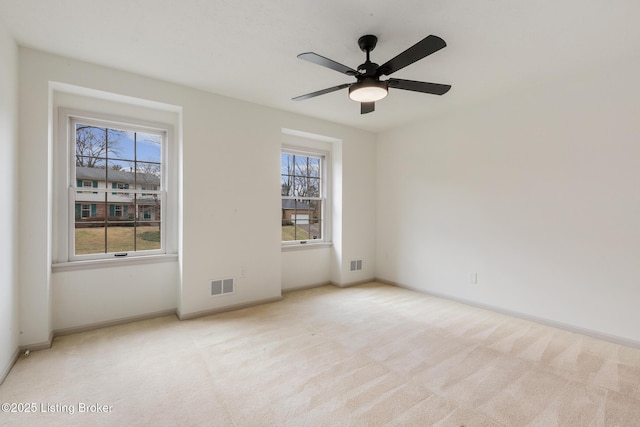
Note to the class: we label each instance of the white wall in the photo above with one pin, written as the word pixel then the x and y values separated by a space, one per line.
pixel 35 177
pixel 9 328
pixel 230 200
pixel 87 297
pixel 537 193
pixel 306 268
pixel 359 212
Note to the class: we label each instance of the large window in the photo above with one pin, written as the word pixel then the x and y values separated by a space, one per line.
pixel 303 190
pixel 124 213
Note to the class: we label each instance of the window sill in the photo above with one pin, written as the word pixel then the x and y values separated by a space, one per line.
pixel 305 246
pixel 105 263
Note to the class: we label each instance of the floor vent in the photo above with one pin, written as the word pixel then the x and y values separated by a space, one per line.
pixel 222 287
pixel 355 265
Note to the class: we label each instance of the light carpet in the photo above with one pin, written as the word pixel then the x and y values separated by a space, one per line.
pixel 370 355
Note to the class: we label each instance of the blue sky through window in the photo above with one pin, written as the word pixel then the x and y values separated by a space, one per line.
pixel 125 148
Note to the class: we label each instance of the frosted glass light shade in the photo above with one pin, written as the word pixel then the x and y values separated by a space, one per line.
pixel 368 91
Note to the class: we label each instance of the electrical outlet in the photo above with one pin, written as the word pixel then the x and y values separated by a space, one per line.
pixel 473 278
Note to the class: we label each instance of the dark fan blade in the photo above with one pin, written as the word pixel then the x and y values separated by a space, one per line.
pixel 326 62
pixel 367 107
pixel 424 87
pixel 321 92
pixel 425 47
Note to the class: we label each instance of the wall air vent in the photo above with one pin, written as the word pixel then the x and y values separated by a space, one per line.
pixel 355 265
pixel 222 287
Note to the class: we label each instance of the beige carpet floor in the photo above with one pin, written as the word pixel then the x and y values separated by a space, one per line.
pixel 363 356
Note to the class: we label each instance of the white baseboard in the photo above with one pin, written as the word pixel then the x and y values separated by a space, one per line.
pixel 12 361
pixel 196 314
pixel 547 322
pixel 356 283
pixel 107 323
pixel 303 287
pixel 39 346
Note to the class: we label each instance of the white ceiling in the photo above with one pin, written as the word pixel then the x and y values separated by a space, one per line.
pixel 247 49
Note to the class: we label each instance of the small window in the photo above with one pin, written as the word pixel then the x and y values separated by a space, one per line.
pixel 86 211
pixel 146 212
pixel 303 191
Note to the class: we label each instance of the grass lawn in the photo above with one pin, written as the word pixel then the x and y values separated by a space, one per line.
pixel 119 239
pixel 289 233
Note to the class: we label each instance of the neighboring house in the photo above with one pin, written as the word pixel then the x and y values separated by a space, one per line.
pixel 298 211
pixel 91 206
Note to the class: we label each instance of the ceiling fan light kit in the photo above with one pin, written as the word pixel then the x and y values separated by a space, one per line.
pixel 369 88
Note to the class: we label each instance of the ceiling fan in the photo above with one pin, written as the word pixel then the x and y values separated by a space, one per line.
pixel 369 88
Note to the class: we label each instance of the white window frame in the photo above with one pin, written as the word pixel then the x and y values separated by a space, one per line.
pixel 65 240
pixel 325 174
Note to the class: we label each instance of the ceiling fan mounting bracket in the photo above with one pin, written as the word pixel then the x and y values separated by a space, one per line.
pixel 367 43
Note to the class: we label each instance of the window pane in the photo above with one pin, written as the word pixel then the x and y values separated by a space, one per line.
pixel 91 141
pixel 94 175
pixel 307 166
pixel 121 207
pixel 91 202
pixel 121 145
pixel 313 168
pixel 292 232
pixel 148 236
pixel 148 208
pixel 90 162
pixel 303 230
pixel 148 175
pixel 149 201
pixel 314 219
pixel 148 147
pixel 286 164
pixel 306 187
pixel 316 229
pixel 125 166
pixel 286 186
pixel 89 238
pixel 120 237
